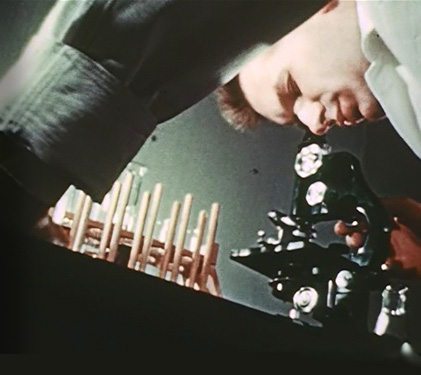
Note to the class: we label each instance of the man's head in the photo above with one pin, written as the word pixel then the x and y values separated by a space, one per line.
pixel 313 75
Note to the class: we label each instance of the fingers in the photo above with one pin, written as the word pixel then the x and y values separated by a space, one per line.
pixel 342 229
pixel 354 240
pixel 354 234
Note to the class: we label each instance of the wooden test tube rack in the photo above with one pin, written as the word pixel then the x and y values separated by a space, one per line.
pixel 137 249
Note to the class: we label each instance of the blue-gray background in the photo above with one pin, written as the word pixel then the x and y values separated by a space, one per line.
pixel 249 174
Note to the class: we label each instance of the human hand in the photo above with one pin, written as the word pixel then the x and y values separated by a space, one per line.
pixel 405 235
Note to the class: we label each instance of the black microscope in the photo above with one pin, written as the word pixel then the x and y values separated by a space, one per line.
pixel 332 283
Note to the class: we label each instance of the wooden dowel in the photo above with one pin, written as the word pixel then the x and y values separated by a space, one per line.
pixel 156 198
pixel 108 223
pixel 214 277
pixel 210 240
pixel 201 223
pixel 138 231
pixel 76 217
pixel 181 235
pixel 83 224
pixel 168 247
pixel 121 208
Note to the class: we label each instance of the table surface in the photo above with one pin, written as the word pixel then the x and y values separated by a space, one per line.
pixel 58 300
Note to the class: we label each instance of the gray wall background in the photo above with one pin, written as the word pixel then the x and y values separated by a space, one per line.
pixel 249 173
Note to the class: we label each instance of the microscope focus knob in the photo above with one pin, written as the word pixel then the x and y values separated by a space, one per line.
pixel 344 280
pixel 305 299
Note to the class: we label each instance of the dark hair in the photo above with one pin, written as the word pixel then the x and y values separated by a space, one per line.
pixel 235 108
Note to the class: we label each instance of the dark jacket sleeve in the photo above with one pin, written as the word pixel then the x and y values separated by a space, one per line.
pixel 99 75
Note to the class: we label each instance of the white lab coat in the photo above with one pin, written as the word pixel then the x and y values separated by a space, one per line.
pixel 391 41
